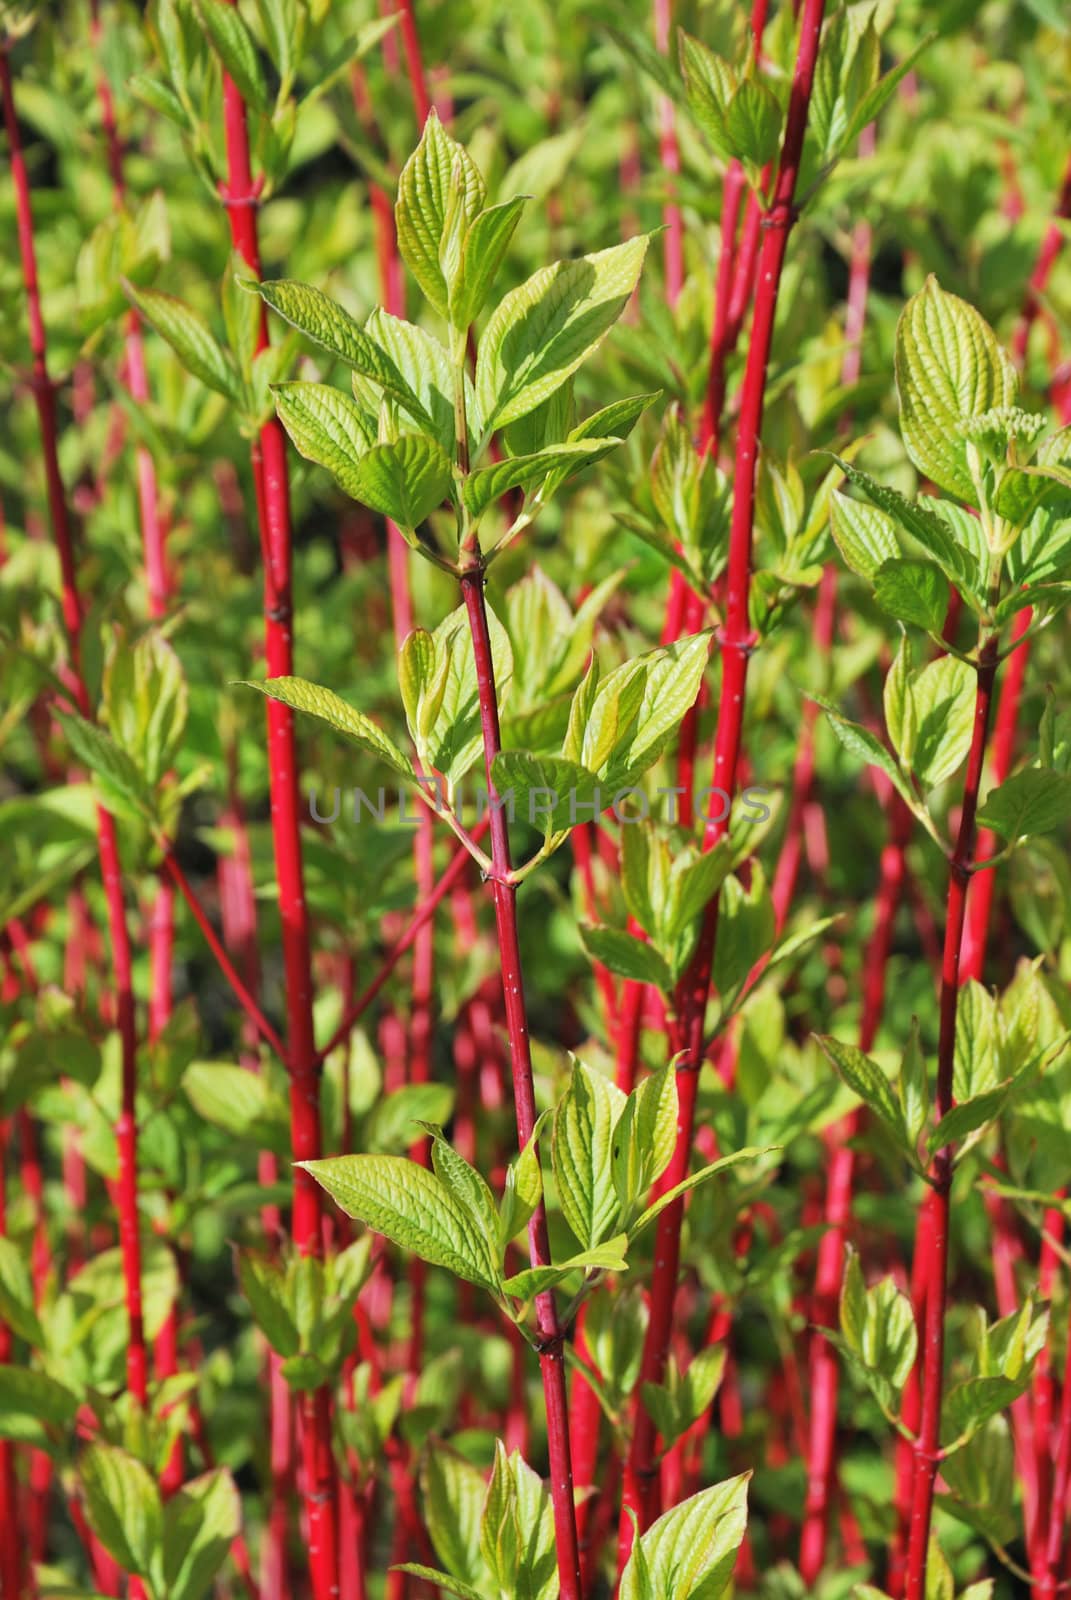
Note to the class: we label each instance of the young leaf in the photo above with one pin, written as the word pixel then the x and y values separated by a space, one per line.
pixel 1036 800
pixel 190 338
pixel 753 123
pixel 582 1154
pixel 122 1505
pixel 233 44
pixel 404 480
pixel 454 1493
pixel 484 486
pixel 324 321
pixel 482 254
pixel 201 1522
pixel 414 1208
pixel 690 1551
pixel 865 536
pixel 866 1079
pixel 656 1208
pixel 949 368
pixel 301 695
pixel 123 788
pixel 424 195
pixel 628 956
pixel 542 332
pixel 264 1285
pixel 327 427
pixel 943 697
pixel 913 591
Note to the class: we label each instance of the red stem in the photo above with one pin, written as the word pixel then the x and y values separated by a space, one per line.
pixel 241 993
pixel 107 839
pixel 927 1444
pixel 1051 246
pixel 980 894
pixel 548 1330
pixel 824 1362
pixel 413 61
pixel 641 1487
pixel 12 1575
pixel 404 942
pixel 670 156
pixel 271 480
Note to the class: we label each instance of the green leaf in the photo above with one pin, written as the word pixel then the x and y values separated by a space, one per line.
pixel 232 42
pixel 967 1118
pixel 482 254
pixel 899 705
pixel 943 703
pixel 876 98
pixel 122 1506
pixel 710 84
pixel 324 321
pixel 865 536
pixel 145 703
pixel 159 96
pixel 866 1079
pixel 645 1138
pixel 691 1550
pixel 638 707
pixel 424 202
pixel 122 786
pixel 263 1283
pixel 753 123
pixel 240 1101
pixel 454 1492
pixel 949 369
pixel 859 741
pixel 548 792
pixel 1036 800
pixel 656 1208
pixel 582 1154
pixel 25 1393
pixel 201 1522
pixel 523 1189
pixel 606 1257
pixel 916 518
pixel 466 1185
pixel 747 928
pixel 425 367
pixel 543 331
pixel 913 1085
pixel 878 1327
pixel 487 484
pixel 411 1206
pixel 301 695
pixel 464 1591
pixel 16 1295
pixel 628 956
pixel 976 1063
pixel 404 480
pixel 913 591
pixel 326 426
pixel 191 339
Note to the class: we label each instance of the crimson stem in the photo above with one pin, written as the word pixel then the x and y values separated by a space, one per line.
pixel 549 1335
pixel 641 1484
pixel 927 1444
pixel 126 1129
pixel 272 486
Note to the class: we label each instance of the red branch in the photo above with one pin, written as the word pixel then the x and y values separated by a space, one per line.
pixel 107 840
pixel 641 1487
pixel 933 1340
pixel 271 481
pixel 549 1333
